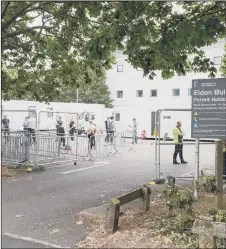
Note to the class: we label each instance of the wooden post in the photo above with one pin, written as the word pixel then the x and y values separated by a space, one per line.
pixel 219 173
pixel 112 219
pixel 171 180
pixel 146 197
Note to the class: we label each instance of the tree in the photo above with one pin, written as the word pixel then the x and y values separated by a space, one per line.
pixel 155 37
pixel 47 54
pixel 223 66
pixel 95 93
pixel 74 36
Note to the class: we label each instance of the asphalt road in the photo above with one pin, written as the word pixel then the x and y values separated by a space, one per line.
pixel 42 207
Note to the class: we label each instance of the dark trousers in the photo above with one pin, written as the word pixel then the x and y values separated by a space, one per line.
pixel 111 136
pixel 72 133
pixel 32 133
pixel 107 137
pixel 178 150
pixel 62 138
pixel 91 140
pixel 6 130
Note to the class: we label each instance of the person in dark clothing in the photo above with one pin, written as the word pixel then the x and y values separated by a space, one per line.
pixel 178 141
pixel 72 129
pixel 58 124
pixel 111 129
pixel 107 129
pixel 61 134
pixel 5 123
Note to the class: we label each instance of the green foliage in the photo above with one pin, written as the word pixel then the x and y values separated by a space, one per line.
pixel 177 198
pixel 206 183
pixel 223 66
pixel 221 216
pixel 72 37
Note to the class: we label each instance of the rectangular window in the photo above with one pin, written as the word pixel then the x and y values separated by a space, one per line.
pixel 120 68
pixel 166 117
pixel 139 93
pixel 176 92
pixel 117 116
pixel 189 92
pixel 32 111
pixel 119 94
pixel 50 112
pixel 217 60
pixel 153 93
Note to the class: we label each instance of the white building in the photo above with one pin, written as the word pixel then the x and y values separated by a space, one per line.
pixel 138 97
pixel 134 97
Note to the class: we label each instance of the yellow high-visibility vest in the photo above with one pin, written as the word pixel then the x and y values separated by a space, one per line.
pixel 176 133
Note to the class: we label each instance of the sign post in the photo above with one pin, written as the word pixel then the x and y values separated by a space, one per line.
pixel 208 120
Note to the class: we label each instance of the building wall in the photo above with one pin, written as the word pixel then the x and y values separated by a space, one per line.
pixel 131 80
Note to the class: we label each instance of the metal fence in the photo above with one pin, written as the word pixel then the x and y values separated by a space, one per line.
pixel 21 148
pixel 201 154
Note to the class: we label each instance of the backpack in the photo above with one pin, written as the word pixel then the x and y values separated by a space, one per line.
pixel 111 125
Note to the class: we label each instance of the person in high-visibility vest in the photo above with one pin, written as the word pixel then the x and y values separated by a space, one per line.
pixel 178 141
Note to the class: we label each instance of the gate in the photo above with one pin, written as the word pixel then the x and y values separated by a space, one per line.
pixel 202 154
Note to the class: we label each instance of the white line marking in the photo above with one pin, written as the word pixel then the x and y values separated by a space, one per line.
pixel 100 164
pixel 33 240
pixel 188 173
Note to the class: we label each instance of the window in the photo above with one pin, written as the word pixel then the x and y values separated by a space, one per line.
pixel 50 112
pixel 117 116
pixel 166 117
pixel 119 68
pixel 119 94
pixel 153 93
pixel 139 93
pixel 176 92
pixel 189 92
pixel 32 111
pixel 217 60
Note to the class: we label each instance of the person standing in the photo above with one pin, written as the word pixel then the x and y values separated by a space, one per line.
pixel 59 122
pixel 31 126
pixel 111 129
pixel 61 133
pixel 91 135
pixel 25 124
pixel 134 127
pixel 178 141
pixel 107 129
pixel 72 129
pixel 5 122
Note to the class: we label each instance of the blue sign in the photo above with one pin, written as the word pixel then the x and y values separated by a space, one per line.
pixel 196 125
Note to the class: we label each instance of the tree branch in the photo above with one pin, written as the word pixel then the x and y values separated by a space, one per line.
pixel 4 8
pixel 22 12
pixel 24 31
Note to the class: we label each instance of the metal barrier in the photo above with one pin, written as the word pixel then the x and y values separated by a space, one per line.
pixel 40 149
pixel 200 154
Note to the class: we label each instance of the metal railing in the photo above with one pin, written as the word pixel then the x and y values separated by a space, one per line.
pixel 21 148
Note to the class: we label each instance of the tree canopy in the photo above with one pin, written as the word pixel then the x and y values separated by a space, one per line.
pixel 50 45
pixel 223 66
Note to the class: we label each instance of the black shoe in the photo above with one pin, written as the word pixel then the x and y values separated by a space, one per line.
pixel 176 162
pixel 183 162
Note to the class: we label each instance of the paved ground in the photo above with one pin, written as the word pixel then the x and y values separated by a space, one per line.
pixel 40 208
